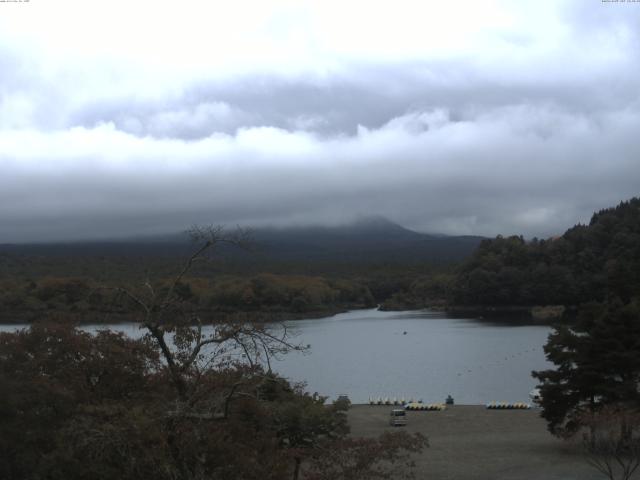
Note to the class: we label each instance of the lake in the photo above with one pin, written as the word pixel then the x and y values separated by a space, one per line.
pixel 366 353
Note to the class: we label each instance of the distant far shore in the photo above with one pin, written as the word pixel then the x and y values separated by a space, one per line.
pixel 546 313
pixel 93 318
pixel 538 313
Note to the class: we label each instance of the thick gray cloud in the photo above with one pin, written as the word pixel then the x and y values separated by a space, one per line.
pixel 529 132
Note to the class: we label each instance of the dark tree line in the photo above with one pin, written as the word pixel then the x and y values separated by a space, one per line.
pixel 587 263
pixel 84 298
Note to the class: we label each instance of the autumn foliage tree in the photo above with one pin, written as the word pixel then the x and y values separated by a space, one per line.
pixel 50 376
pixel 191 399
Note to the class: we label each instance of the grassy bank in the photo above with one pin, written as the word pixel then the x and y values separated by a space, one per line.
pixel 471 442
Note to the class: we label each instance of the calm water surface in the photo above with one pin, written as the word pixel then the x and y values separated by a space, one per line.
pixel 366 353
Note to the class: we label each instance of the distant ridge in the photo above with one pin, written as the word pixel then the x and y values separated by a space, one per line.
pixel 366 240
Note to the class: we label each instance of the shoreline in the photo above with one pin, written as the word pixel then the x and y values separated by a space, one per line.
pixel 504 314
pixel 540 314
pixel 114 318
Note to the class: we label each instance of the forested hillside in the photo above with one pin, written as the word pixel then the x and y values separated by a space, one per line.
pixel 266 295
pixel 587 263
pixel 282 272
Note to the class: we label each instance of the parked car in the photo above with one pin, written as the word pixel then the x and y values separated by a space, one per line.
pixel 398 418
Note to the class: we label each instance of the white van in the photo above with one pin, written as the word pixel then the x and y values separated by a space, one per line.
pixel 398 418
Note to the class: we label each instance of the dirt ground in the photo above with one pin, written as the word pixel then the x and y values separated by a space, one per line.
pixel 470 442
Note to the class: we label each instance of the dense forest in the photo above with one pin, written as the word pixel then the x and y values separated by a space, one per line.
pixel 279 273
pixel 85 299
pixel 588 263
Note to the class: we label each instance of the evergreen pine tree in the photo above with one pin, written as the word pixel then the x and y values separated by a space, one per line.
pixel 598 363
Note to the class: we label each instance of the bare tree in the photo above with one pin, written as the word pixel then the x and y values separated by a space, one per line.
pixel 611 440
pixel 194 354
pixel 193 348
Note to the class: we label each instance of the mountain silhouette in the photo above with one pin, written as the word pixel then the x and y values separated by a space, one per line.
pixel 365 240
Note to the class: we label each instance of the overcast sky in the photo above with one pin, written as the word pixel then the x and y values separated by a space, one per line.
pixel 478 117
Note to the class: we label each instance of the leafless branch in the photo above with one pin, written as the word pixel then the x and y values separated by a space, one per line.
pixel 612 440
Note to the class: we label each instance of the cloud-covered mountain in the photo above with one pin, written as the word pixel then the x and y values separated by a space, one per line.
pixel 370 240
pixel 456 117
